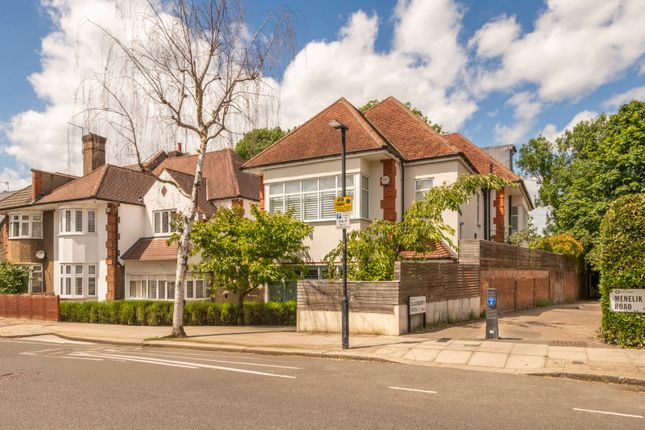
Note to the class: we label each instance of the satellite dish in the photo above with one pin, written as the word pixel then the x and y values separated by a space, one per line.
pixel 40 254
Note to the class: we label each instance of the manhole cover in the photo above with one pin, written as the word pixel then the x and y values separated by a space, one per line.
pixel 567 343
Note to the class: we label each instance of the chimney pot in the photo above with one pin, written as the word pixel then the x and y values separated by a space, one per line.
pixel 93 152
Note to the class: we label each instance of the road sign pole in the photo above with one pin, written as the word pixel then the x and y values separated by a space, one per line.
pixel 345 303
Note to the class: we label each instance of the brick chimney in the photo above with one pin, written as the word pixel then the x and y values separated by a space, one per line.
pixel 93 152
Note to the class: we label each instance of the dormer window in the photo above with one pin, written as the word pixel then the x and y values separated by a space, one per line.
pixel 163 222
pixel 26 226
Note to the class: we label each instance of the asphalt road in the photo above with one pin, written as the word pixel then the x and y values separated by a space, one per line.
pixel 75 386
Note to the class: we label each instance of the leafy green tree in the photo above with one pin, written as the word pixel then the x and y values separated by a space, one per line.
pixel 371 252
pixel 526 236
pixel 619 258
pixel 564 244
pixel 437 127
pixel 13 278
pixel 245 253
pixel 256 141
pixel 587 168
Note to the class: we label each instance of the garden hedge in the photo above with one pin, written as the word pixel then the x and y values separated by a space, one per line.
pixel 620 257
pixel 159 313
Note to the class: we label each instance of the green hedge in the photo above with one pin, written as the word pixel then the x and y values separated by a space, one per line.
pixel 159 313
pixel 619 257
pixel 13 278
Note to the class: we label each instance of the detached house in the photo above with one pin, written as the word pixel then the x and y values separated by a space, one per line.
pixel 393 158
pixel 103 235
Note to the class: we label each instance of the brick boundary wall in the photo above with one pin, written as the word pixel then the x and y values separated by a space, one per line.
pixel 30 306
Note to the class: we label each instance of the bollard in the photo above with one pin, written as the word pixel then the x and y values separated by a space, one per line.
pixel 492 328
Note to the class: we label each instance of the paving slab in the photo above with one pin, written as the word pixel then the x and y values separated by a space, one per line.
pixel 453 357
pixel 488 359
pixel 490 346
pixel 530 349
pixel 422 354
pixel 567 353
pixel 521 362
pixel 607 355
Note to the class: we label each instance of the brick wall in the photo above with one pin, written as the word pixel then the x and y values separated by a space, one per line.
pixel 25 306
pixel 388 203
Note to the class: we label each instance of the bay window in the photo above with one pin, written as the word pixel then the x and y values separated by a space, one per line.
pixel 26 226
pixel 313 199
pixel 72 221
pixel 162 287
pixel 78 280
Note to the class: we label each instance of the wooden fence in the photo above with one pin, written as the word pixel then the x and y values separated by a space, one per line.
pixel 28 306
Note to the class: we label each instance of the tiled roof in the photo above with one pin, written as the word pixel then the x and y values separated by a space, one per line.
pixel 315 138
pixel 185 182
pixel 480 159
pixel 411 136
pixel 151 249
pixel 108 182
pixel 440 251
pixel 5 194
pixel 17 199
pixel 222 173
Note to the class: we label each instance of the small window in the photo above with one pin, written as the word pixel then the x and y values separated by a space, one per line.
pixel 514 219
pixel 78 221
pixel 189 289
pixel 421 187
pixel 163 222
pixel 35 278
pixel 91 221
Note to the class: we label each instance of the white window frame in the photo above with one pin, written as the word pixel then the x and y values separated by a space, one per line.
pixel 69 276
pixel 516 218
pixel 170 213
pixel 423 190
pixel 280 198
pixel 70 223
pixel 165 285
pixel 30 219
pixel 35 273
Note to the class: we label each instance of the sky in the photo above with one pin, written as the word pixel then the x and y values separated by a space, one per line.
pixel 499 71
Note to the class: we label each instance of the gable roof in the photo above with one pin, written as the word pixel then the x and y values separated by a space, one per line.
pixel 108 182
pixel 316 139
pixel 17 199
pixel 222 173
pixel 414 138
pixel 185 182
pixel 480 158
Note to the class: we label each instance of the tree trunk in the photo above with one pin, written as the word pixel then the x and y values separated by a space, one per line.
pixel 184 242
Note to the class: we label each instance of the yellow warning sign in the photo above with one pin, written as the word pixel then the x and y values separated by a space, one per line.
pixel 343 204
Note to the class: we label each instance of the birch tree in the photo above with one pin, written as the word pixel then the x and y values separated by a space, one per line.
pixel 191 68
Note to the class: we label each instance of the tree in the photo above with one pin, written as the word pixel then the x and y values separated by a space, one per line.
pixel 371 252
pixel 564 244
pixel 245 253
pixel 437 127
pixel 619 258
pixel 194 68
pixel 13 278
pixel 587 168
pixel 256 141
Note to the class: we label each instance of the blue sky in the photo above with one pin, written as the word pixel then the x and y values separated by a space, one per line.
pixel 493 70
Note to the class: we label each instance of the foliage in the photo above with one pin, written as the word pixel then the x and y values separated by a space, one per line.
pixel 564 244
pixel 13 278
pixel 528 235
pixel 244 253
pixel 159 313
pixel 256 141
pixel 587 168
pixel 437 127
pixel 371 252
pixel 619 257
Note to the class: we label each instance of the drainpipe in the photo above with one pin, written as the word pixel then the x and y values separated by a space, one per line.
pixel 510 206
pixel 402 190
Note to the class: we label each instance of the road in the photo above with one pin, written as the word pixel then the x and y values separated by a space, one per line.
pixel 45 384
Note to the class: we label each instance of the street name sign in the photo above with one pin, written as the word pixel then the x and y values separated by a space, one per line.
pixel 343 220
pixel 343 204
pixel 631 300
pixel 417 305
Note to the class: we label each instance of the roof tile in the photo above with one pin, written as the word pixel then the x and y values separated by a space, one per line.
pixel 151 249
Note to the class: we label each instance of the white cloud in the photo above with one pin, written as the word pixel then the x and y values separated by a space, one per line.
pixel 551 132
pixel 424 66
pixel 526 110
pixel 539 214
pixel 637 93
pixel 574 47
pixel 11 179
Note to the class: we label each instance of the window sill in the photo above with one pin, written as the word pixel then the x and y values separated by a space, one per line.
pixel 76 234
pixel 25 238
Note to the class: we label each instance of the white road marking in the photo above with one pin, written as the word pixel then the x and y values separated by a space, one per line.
pixel 41 350
pixel 225 361
pixel 79 358
pixel 137 360
pixel 608 413
pixel 181 364
pixel 414 389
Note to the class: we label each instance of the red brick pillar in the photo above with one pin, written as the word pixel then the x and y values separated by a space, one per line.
pixel 499 220
pixel 36 184
pixel 113 277
pixel 388 203
pixel 261 193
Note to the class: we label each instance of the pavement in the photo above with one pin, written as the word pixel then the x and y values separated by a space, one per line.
pixel 556 340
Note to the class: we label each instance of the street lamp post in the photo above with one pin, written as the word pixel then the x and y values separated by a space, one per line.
pixel 345 301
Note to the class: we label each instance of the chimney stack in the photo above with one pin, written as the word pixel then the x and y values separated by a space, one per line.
pixel 93 152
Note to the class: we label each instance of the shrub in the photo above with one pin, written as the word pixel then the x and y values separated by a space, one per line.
pixel 619 258
pixel 564 244
pixel 13 278
pixel 159 313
